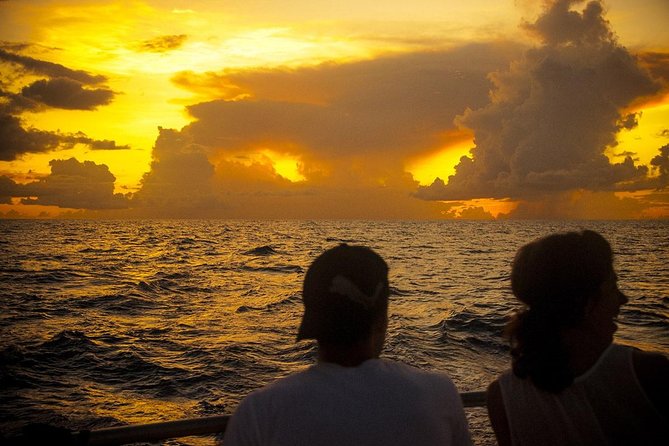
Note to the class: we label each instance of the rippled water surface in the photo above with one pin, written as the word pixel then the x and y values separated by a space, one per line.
pixel 112 322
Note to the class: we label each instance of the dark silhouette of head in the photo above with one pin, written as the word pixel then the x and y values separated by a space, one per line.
pixel 555 277
pixel 345 294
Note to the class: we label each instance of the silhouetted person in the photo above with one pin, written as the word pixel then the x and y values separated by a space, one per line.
pixel 569 383
pixel 350 396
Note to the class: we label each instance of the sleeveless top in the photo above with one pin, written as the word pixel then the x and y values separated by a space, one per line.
pixel 604 406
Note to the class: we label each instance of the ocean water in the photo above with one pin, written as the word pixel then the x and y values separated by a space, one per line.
pixel 107 323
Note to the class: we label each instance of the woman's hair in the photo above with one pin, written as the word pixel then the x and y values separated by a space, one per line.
pixel 555 277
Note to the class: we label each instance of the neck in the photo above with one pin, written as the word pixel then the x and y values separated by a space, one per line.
pixel 583 351
pixel 346 355
pixel 352 355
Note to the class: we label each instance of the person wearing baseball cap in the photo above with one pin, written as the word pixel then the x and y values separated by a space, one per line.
pixel 351 395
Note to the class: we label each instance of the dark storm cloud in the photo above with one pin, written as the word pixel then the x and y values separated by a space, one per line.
pixel 162 44
pixel 76 185
pixel 15 140
pixel 50 69
pixel 552 114
pixel 67 94
pixel 399 104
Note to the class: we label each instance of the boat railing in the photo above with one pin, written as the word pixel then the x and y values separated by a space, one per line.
pixel 153 432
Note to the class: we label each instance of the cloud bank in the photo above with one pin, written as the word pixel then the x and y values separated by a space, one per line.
pixel 349 127
pixel 542 117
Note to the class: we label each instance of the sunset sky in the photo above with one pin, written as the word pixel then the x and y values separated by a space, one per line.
pixel 347 109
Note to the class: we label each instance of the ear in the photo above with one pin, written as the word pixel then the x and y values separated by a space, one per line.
pixel 591 304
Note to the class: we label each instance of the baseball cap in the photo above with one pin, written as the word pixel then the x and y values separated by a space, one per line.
pixel 344 290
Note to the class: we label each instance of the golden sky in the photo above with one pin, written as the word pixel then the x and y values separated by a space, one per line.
pixel 347 109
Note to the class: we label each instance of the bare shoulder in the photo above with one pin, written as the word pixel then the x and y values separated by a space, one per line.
pixel 497 413
pixel 652 371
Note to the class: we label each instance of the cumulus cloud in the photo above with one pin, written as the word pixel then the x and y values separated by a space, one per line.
pixel 74 184
pixel 162 44
pixel 15 140
pixel 185 182
pixel 180 179
pixel 552 114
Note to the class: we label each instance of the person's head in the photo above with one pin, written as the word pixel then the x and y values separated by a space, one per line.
pixel 558 275
pixel 345 296
pixel 568 285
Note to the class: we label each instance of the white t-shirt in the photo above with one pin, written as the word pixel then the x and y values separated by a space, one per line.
pixel 379 402
pixel 604 406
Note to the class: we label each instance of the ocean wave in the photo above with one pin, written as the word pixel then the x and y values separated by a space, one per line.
pixel 465 321
pixel 90 250
pixel 129 303
pixel 46 277
pixel 348 241
pixel 646 317
pixel 277 269
pixel 66 342
pixel 272 307
pixel 264 250
pixel 395 291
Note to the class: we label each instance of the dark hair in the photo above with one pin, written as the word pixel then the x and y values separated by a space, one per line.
pixel 331 318
pixel 555 277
